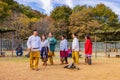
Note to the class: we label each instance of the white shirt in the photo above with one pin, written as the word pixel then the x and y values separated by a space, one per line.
pixel 75 44
pixel 45 43
pixel 63 45
pixel 34 42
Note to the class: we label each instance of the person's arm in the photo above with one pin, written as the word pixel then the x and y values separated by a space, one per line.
pixel 48 45
pixel 29 43
pixel 87 45
pixel 53 42
pixel 40 44
pixel 60 45
pixel 66 45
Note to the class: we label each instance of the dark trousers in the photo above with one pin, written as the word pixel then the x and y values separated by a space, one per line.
pixel 17 53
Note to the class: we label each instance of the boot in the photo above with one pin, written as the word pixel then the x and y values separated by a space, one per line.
pixel 86 60
pixel 61 59
pixel 89 61
pixel 66 61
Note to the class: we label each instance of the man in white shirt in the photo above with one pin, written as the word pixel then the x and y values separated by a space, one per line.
pixel 75 49
pixel 34 46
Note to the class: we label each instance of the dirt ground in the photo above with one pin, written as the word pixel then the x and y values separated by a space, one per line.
pixel 17 68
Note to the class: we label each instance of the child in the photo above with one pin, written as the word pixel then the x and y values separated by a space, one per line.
pixel 44 50
pixel 63 50
pixel 69 51
pixel 88 50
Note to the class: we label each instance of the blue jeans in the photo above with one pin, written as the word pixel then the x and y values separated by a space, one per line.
pixel 17 53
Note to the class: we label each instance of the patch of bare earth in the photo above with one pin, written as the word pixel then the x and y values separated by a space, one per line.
pixel 102 69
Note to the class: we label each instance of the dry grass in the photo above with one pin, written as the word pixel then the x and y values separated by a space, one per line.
pixel 17 68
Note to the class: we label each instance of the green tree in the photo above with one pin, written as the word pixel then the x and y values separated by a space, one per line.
pixel 61 13
pixel 4 10
pixel 107 18
pixel 30 13
pixel 105 15
pixel 13 5
pixel 83 22
pixel 61 16
pixel 21 23
pixel 78 8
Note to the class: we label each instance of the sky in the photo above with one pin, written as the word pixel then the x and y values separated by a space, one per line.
pixel 46 6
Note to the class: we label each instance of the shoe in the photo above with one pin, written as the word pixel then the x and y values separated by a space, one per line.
pixel 61 63
pixel 37 69
pixel 32 68
pixel 45 65
pixel 66 63
pixel 89 62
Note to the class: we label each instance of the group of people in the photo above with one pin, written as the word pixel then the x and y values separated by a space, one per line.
pixel 44 47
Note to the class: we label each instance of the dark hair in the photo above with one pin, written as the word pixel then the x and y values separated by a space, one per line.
pixel 19 45
pixel 44 35
pixel 75 34
pixel 51 33
pixel 88 36
pixel 34 30
pixel 64 36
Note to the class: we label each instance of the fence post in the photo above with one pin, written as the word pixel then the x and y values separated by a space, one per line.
pixel 95 48
pixel 1 42
pixel 12 43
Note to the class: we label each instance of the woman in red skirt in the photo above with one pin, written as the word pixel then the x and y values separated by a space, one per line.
pixel 88 50
pixel 63 50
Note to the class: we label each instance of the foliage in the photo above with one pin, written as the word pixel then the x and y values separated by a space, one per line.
pixel 78 8
pixel 83 22
pixel 4 11
pixel 61 16
pixel 62 20
pixel 105 15
pixel 61 13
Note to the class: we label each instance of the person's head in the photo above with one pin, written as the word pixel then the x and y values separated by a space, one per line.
pixel 19 45
pixel 63 37
pixel 74 35
pixel 35 32
pixel 50 34
pixel 87 37
pixel 69 47
pixel 43 37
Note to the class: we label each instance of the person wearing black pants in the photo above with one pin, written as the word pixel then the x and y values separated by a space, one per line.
pixel 19 50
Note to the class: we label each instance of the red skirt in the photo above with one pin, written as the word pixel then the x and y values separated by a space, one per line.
pixel 63 54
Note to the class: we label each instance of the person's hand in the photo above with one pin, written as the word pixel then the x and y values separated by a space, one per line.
pixel 48 50
pixel 14 50
pixel 29 49
pixel 72 50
